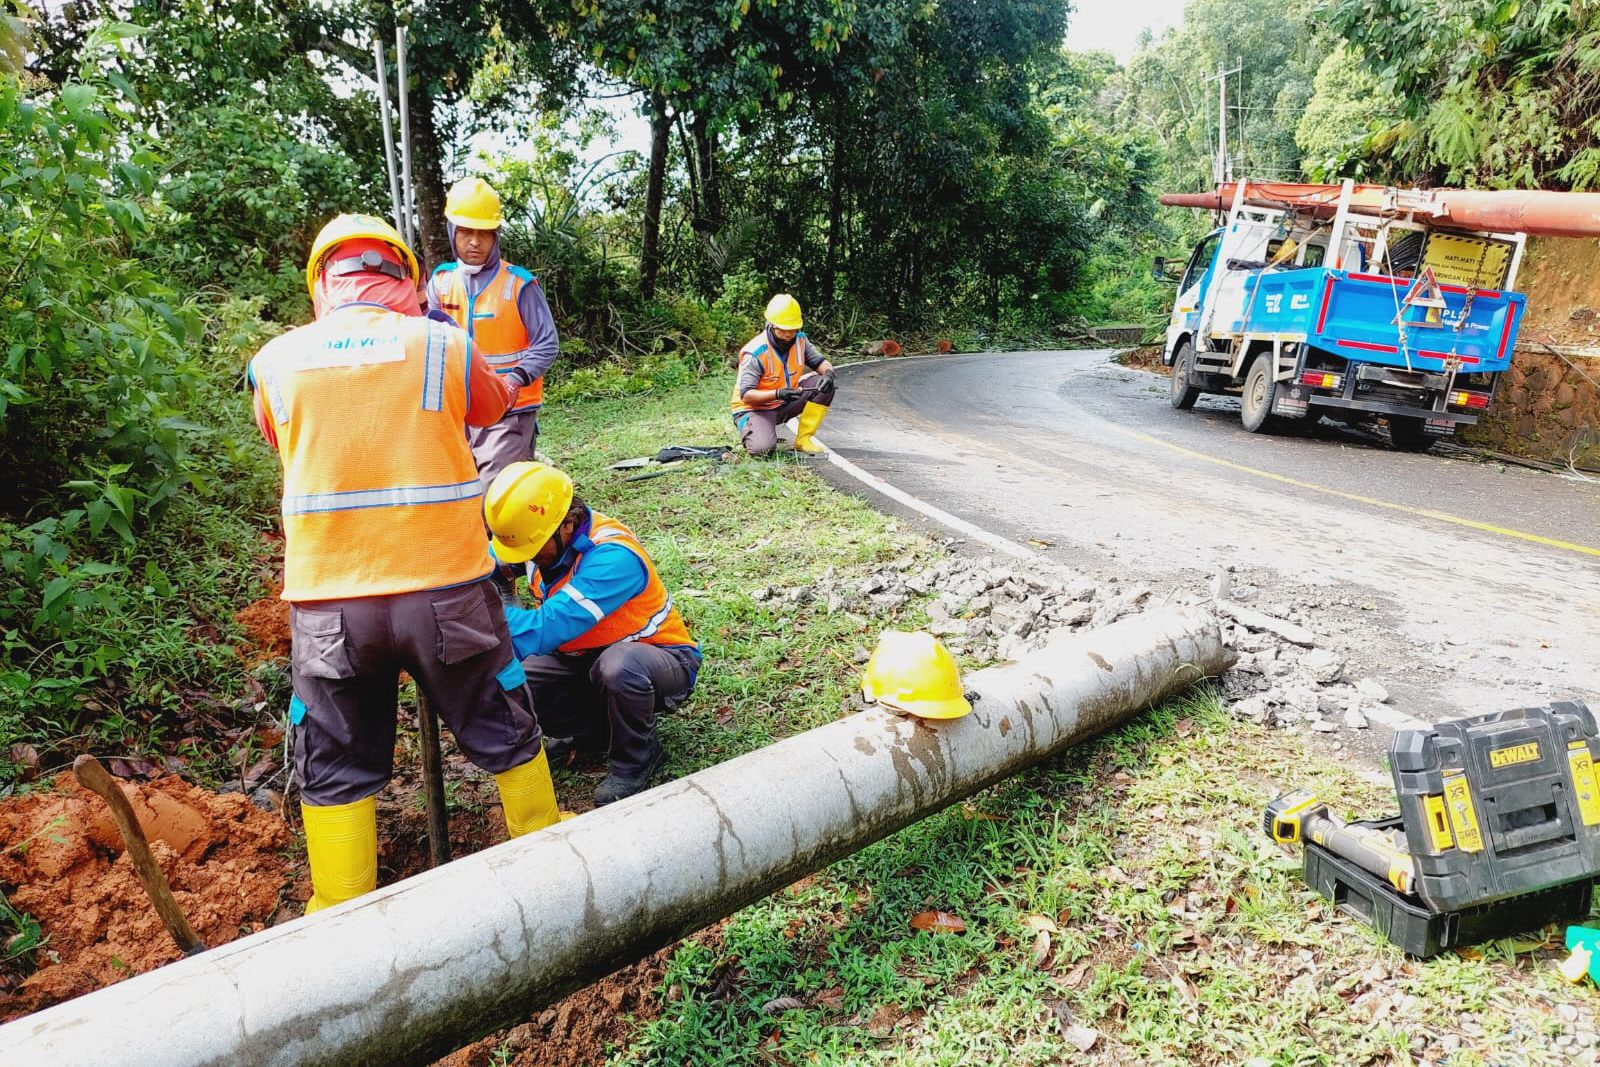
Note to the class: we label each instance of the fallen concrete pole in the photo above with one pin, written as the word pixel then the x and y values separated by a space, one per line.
pixel 417 969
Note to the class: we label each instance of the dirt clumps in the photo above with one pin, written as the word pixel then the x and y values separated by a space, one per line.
pixel 266 625
pixel 226 860
pixel 579 1029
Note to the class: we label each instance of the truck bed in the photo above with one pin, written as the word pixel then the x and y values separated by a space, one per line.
pixel 1352 314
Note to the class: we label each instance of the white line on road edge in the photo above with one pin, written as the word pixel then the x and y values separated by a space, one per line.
pixel 939 515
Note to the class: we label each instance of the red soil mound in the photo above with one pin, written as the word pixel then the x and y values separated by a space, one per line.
pixel 64 864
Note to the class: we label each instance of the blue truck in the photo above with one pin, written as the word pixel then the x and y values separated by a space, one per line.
pixel 1308 305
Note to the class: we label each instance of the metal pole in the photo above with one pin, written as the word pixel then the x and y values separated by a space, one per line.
pixel 414 970
pixel 433 783
pixel 1221 168
pixel 408 192
pixel 388 136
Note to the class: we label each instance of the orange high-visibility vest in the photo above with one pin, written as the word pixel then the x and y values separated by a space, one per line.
pixel 649 617
pixel 493 321
pixel 380 492
pixel 777 372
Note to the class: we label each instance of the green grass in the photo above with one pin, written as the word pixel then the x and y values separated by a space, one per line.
pixel 1183 935
pixel 717 533
pixel 1180 933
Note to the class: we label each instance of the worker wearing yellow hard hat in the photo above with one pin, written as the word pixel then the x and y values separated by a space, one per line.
pixel 781 376
pixel 606 652
pixel 385 564
pixel 503 309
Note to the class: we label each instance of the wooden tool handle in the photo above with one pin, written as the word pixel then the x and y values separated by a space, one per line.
pixel 92 776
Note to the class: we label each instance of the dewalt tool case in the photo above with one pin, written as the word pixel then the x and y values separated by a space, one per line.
pixel 1405 921
pixel 1500 805
pixel 1500 817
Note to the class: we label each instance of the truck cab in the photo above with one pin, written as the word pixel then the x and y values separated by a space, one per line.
pixel 1305 307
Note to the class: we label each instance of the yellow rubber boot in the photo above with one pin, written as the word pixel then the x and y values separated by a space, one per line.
pixel 342 846
pixel 528 796
pixel 810 418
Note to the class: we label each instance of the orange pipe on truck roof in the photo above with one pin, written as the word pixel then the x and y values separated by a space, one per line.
pixel 1538 212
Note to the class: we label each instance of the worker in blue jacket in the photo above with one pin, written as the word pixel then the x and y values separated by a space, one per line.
pixel 605 652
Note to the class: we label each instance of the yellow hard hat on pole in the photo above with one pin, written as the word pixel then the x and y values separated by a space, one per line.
pixel 525 504
pixel 783 311
pixel 473 203
pixel 353 227
pixel 913 673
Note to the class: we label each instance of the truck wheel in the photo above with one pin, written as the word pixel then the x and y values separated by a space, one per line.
pixel 1255 406
pixel 1407 435
pixel 1183 394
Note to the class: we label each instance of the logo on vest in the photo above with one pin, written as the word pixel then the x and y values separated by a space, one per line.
pixel 355 352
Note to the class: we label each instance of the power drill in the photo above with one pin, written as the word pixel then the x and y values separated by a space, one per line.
pixel 1300 815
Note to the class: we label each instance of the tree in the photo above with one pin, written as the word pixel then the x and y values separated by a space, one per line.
pixel 702 68
pixel 1165 90
pixel 1492 92
pixel 1346 108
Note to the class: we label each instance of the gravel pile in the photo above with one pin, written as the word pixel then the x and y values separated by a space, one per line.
pixel 987 610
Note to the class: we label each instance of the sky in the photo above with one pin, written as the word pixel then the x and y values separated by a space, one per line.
pixel 1114 25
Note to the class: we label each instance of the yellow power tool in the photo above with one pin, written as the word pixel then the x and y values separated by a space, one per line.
pixel 1299 816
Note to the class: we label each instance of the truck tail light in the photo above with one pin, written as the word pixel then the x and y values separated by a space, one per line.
pixel 1469 400
pixel 1321 379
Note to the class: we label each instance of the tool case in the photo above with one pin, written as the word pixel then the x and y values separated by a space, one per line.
pixel 1419 930
pixel 1501 805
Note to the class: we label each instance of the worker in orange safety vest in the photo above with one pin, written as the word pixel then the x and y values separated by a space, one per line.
pixel 606 652
pixel 385 562
pixel 503 309
pixel 781 376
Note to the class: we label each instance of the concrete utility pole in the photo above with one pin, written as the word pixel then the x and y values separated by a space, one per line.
pixel 1221 167
pixel 410 972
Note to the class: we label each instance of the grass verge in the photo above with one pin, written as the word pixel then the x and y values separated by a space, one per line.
pixel 1120 898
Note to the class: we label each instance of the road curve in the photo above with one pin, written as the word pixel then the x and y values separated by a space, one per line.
pixel 1465 586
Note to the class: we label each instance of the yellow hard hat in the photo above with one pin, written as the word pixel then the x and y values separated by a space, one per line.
pixel 354 228
pixel 783 311
pixel 525 504
pixel 914 673
pixel 473 203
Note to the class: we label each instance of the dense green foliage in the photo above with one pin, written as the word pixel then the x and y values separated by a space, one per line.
pixel 1489 92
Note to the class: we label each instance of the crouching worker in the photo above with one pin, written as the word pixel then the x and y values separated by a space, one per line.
pixel 605 651
pixel 385 566
pixel 781 376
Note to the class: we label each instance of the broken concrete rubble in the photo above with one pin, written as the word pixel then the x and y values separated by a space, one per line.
pixel 987 610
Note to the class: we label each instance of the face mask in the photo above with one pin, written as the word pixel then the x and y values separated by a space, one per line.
pixel 468 269
pixel 779 343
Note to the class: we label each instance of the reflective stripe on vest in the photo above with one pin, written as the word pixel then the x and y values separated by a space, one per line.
pixel 381 495
pixel 649 616
pixel 777 372
pixel 402 496
pixel 493 320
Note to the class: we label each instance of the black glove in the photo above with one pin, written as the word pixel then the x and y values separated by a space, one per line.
pixel 786 395
pixel 827 378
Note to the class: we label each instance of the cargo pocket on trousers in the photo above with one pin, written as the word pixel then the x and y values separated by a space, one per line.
pixel 466 628
pixel 318 647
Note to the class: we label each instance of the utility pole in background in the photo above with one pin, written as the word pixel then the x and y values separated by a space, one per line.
pixel 1221 168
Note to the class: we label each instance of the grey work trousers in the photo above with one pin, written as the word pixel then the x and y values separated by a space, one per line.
pixel 612 697
pixel 347 657
pixel 758 430
pixel 511 440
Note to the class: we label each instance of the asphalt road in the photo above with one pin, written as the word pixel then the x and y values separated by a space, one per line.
pixel 1463 586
